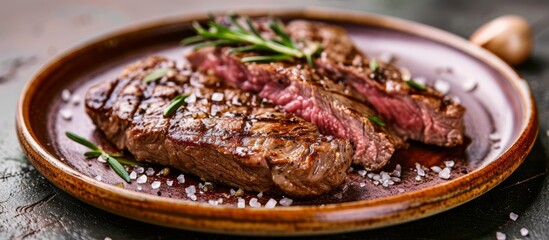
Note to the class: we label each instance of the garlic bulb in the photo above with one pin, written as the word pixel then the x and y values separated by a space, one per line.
pixel 509 37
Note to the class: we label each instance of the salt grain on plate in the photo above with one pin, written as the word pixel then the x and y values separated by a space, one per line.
pixel 133 175
pixel 524 232
pixel 436 169
pixel 140 170
pixel 445 173
pixel 190 99
pixel 142 179
pixel 494 137
pixel 469 84
pixel 241 203
pixel 254 203
pixel 271 203
pixel 98 178
pixel 66 95
pixel 66 114
pixel 101 159
pixel 420 80
pixel 442 86
pixel 362 173
pixel 155 184
pixel 75 99
pixel 500 236
pixel 139 188
pixel 149 172
pixel 513 216
pixel 169 183
pixel 181 178
pixel 217 97
pixel 286 202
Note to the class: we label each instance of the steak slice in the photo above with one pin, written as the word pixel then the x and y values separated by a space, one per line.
pixel 422 115
pixel 301 90
pixel 223 135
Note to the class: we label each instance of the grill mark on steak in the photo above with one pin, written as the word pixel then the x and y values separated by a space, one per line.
pixel 426 116
pixel 241 141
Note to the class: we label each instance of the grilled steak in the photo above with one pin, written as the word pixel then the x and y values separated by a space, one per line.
pixel 300 90
pixel 223 135
pixel 423 115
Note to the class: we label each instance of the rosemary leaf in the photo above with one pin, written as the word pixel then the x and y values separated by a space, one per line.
pixel 276 27
pixel 376 120
pixel 191 40
pixel 217 43
pixel 117 167
pixel 156 74
pixel 373 64
pixel 175 104
pixel 252 27
pixel 245 49
pixel 95 153
pixel 75 137
pixel 416 85
pixel 235 22
pixel 270 58
pixel 116 155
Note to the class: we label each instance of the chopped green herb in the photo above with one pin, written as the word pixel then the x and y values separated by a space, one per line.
pixel 115 165
pixel 156 74
pixel 416 85
pixel 376 120
pixel 175 104
pixel 249 39
pixel 373 64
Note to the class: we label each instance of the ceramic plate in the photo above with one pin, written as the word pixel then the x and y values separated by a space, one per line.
pixel 501 126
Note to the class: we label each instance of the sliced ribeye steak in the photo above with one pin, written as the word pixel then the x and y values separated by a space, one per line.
pixel 223 134
pixel 421 114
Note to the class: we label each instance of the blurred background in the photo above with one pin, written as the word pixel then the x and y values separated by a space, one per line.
pixel 33 32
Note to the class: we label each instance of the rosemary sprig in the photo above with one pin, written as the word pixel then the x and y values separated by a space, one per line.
pixel 156 74
pixel 281 47
pixel 175 104
pixel 417 86
pixel 376 120
pixel 96 152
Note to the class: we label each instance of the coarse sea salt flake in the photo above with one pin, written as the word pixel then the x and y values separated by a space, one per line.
pixel 66 114
pixel 75 99
pixel 181 178
pixel 513 216
pixel 133 175
pixel 155 184
pixel 190 190
pixel 449 164
pixel 271 203
pixel 469 84
pixel 142 179
pixel 254 203
pixel 241 203
pixel 445 173
pixel 101 159
pixel 524 232
pixel 169 183
pixel 217 96
pixel 286 202
pixel 260 194
pixel 362 184
pixel 66 95
pixel 149 172
pixel 98 178
pixel 213 202
pixel 140 170
pixel 362 173
pixel 500 236
pixel 139 188
pixel 436 169
pixel 442 86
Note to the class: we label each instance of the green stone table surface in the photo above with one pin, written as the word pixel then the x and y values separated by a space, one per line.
pixel 32 32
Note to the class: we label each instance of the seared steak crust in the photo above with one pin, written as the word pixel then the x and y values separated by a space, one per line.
pixel 421 115
pixel 223 134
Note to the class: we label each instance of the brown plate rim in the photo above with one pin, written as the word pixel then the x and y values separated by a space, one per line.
pixel 295 220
